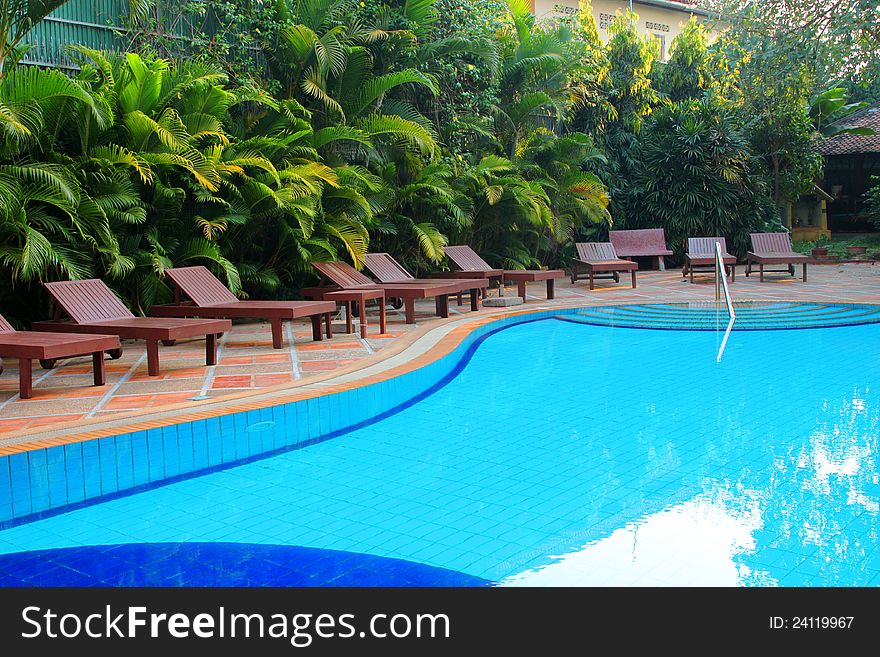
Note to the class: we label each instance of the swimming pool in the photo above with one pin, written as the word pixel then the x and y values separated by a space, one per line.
pixel 558 452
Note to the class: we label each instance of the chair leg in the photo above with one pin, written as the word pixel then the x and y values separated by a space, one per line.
pixel 348 322
pixel 805 271
pixel 383 325
pixel 316 327
pixel 410 310
pixel 98 371
pixel 475 299
pixel 633 272
pixel 328 324
pixel 153 357
pixel 363 316
pixel 521 289
pixel 443 305
pixel 661 263
pixel 25 378
pixel 761 277
pixel 592 283
pixel 277 334
pixel 210 349
pixel 551 289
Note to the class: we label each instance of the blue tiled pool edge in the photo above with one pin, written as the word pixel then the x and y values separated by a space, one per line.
pixel 47 481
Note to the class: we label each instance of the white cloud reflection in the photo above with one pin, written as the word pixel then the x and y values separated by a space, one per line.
pixel 693 543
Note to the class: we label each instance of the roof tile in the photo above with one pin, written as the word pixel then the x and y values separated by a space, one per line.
pixel 845 144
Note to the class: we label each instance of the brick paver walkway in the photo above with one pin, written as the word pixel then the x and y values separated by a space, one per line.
pixel 248 362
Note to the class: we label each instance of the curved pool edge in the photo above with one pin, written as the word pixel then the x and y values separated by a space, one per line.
pixel 72 468
pixel 413 351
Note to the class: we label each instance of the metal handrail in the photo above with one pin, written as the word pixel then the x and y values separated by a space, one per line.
pixel 721 284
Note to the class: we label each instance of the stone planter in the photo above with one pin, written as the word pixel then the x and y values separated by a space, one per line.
pixel 819 252
pixel 856 250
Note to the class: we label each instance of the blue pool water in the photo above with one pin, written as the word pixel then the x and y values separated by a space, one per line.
pixel 562 453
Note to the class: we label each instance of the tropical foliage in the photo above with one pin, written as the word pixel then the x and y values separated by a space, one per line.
pixel 307 130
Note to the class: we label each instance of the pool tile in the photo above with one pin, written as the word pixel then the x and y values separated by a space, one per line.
pixel 91 461
pixel 56 472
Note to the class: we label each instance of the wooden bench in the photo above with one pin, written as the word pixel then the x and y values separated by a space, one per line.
pixel 644 242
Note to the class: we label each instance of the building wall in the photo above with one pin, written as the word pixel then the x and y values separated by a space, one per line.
pixel 663 23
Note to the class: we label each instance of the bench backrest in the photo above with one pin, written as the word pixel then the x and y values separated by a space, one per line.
pixel 771 243
pixel 596 251
pixel 88 301
pixel 640 242
pixel 705 245
pixel 5 327
pixel 342 274
pixel 201 286
pixel 466 259
pixel 386 268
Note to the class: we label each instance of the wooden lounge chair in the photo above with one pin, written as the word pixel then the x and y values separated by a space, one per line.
pixel 93 308
pixel 342 276
pixel 469 262
pixel 385 268
pixel 701 255
pixel 642 242
pixel 600 258
pixel 470 265
pixel 208 297
pixel 47 347
pixel 774 249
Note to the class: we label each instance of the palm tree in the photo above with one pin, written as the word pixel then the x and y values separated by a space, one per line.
pixel 46 214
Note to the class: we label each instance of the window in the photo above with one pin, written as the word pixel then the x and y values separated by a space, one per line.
pixel 662 39
pixel 605 20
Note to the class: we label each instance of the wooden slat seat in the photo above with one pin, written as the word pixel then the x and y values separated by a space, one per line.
pixel 642 242
pixel 774 249
pixel 92 307
pixel 469 262
pixel 384 267
pixel 701 256
pixel 470 265
pixel 28 346
pixel 600 257
pixel 342 276
pixel 198 293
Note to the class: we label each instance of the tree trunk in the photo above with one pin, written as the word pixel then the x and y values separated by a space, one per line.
pixel 776 181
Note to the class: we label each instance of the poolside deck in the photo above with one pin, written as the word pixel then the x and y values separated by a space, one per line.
pixel 247 362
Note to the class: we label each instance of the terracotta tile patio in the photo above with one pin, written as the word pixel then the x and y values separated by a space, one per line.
pixel 247 361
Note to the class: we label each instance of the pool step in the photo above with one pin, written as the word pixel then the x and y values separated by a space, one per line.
pixel 750 316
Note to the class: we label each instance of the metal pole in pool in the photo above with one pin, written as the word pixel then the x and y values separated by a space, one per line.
pixel 717 281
